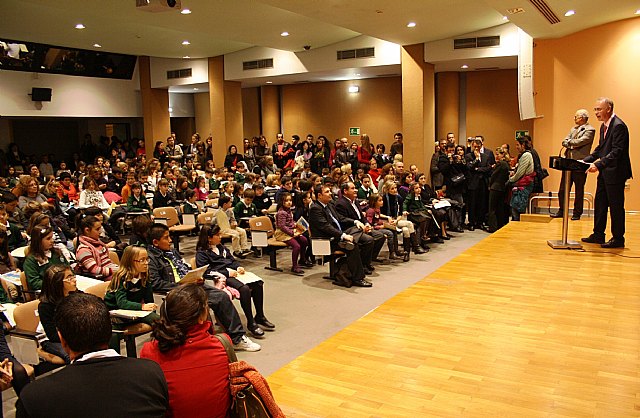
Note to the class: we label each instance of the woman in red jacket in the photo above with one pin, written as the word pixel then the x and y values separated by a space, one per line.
pixel 194 362
pixel 364 152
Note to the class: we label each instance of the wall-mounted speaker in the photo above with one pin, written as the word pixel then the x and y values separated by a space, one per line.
pixel 39 94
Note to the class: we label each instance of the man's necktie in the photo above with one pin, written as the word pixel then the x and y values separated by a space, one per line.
pixel 333 218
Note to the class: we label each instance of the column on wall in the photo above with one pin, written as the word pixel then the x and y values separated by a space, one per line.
pixel 155 108
pixel 270 104
pixel 448 104
pixel 225 102
pixel 418 107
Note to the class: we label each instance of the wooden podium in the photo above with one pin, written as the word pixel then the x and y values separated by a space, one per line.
pixel 565 164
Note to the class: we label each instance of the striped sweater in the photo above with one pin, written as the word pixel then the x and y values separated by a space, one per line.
pixel 93 258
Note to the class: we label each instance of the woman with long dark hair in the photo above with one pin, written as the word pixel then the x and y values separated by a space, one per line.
pixel 193 360
pixel 233 158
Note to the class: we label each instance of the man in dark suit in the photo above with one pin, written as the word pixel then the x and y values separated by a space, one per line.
pixel 98 382
pixel 325 222
pixel 610 159
pixel 479 168
pixel 578 146
pixel 371 241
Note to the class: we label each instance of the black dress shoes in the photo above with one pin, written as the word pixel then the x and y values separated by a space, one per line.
pixel 575 218
pixel 471 228
pixel 256 331
pixel 367 271
pixel 613 243
pixel 362 283
pixel 593 239
pixel 264 322
pixel 556 215
pixel 381 260
pixel 347 245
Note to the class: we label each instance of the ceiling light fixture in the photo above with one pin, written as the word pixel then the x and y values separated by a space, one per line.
pixel 269 82
pixel 186 11
pixel 284 34
pixel 354 89
pixel 638 12
pixel 97 46
pixel 80 26
pixel 506 19
pixel 170 109
pixel 186 43
pixel 570 13
pixel 195 89
pixel 411 24
pixel 464 66
pixel 186 57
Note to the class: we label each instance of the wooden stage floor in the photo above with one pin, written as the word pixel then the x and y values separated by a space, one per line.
pixel 509 328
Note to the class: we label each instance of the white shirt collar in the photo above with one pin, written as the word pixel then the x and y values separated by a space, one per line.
pixel 98 354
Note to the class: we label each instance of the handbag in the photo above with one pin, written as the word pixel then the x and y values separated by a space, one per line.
pixel 247 402
pixel 544 173
pixel 457 179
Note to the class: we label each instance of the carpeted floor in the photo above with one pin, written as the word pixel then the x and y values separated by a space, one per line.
pixel 309 309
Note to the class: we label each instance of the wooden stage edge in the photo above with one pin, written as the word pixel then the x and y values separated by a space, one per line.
pixel 508 328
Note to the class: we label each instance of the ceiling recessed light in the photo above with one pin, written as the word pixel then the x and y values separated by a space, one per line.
pixel 411 24
pixel 79 26
pixel 638 12
pixel 284 34
pixel 464 66
pixel 186 57
pixel 357 74
pixel 186 43
pixel 354 89
pixel 570 13
pixel 170 109
pixel 186 11
pixel 269 82
pixel 506 19
pixel 97 46
pixel 195 89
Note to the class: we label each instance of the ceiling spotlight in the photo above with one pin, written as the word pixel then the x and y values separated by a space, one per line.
pixel 464 66
pixel 506 19
pixel 411 24
pixel 186 57
pixel 186 43
pixel 79 26
pixel 186 11
pixel 269 82
pixel 570 13
pixel 638 12
pixel 97 46
pixel 170 109
pixel 195 89
pixel 354 89
pixel 357 74
pixel 284 34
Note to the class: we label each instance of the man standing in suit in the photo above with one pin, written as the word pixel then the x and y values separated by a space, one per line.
pixel 479 168
pixel 325 222
pixel 611 161
pixel 98 382
pixel 578 146
pixel 371 241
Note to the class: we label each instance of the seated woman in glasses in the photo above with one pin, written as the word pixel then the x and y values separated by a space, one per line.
pixel 130 287
pixel 59 282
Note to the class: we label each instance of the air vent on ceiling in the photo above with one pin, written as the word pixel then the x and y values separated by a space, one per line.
pixel 301 82
pixel 546 11
pixel 348 54
pixel 184 73
pixel 257 64
pixel 158 5
pixel 480 42
pixel 486 68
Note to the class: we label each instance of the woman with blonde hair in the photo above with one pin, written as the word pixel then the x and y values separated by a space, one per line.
pixel 130 287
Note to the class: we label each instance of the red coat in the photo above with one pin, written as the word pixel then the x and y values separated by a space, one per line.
pixel 197 374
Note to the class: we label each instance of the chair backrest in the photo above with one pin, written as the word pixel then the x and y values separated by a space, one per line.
pixel 261 223
pixel 320 246
pixel 206 218
pixel 113 256
pixel 189 219
pixel 200 204
pixel 26 316
pixel 169 213
pixel 98 290
pixel 212 202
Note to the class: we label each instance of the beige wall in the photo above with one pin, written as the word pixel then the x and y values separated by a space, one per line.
pixel 202 115
pixel 251 112
pixel 447 104
pixel 155 107
pixel 329 109
pixel 571 72
pixel 492 108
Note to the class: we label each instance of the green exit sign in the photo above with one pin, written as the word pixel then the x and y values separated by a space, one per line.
pixel 521 134
pixel 354 131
